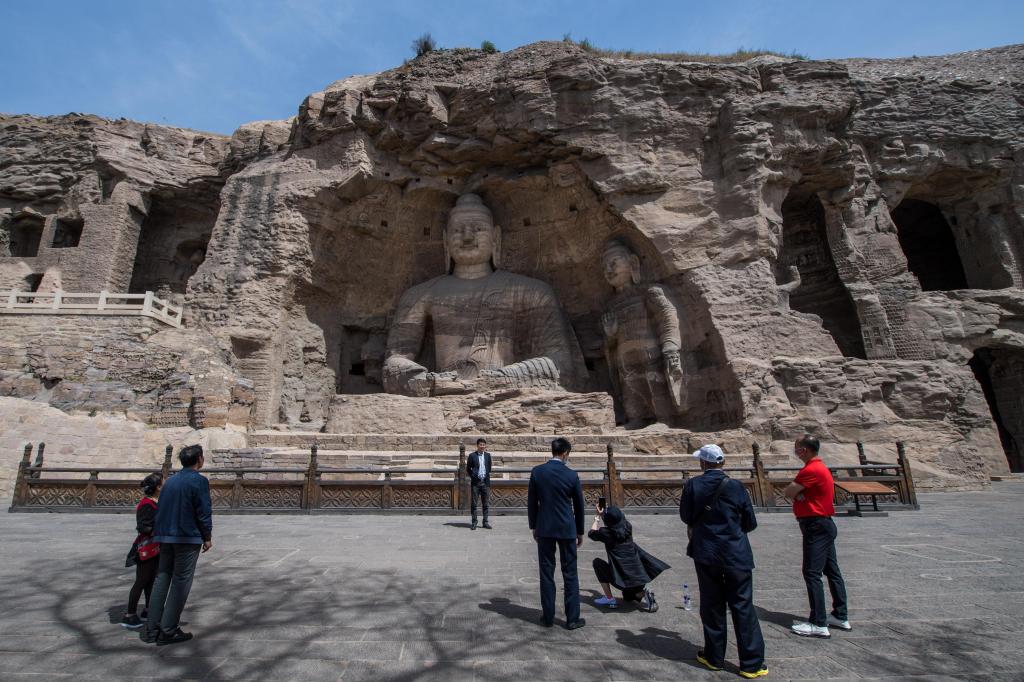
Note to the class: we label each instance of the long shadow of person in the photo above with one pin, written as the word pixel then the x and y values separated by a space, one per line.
pixel 661 643
pixel 458 524
pixel 506 608
pixel 780 618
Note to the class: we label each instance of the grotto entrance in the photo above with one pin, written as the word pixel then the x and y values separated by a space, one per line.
pixel 1001 375
pixel 929 245
pixel 172 243
pixel 821 291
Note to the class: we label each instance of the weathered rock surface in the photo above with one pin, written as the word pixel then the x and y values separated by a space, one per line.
pixel 842 240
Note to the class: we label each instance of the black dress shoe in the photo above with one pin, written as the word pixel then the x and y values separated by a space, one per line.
pixel 546 623
pixel 149 636
pixel 576 624
pixel 472 526
pixel 487 525
pixel 175 637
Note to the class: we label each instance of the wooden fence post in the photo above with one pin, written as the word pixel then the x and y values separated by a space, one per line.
pixel 310 489
pixel 165 470
pixel 39 461
pixel 102 304
pixel 237 492
pixel 458 496
pixel 385 492
pixel 908 477
pixel 758 489
pixel 614 483
pixel 90 489
pixel 21 484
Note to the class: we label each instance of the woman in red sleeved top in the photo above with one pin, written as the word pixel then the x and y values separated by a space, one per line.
pixel 145 553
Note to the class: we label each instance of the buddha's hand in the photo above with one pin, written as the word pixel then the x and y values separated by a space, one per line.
pixel 610 324
pixel 672 363
pixel 449 383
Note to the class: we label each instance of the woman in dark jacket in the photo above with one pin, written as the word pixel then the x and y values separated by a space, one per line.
pixel 628 567
pixel 144 552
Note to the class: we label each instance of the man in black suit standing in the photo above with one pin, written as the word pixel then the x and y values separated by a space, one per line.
pixel 555 508
pixel 478 466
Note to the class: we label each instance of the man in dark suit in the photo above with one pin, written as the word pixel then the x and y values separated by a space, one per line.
pixel 478 466
pixel 555 508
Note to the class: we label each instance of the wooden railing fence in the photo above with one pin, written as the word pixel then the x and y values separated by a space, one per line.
pixel 316 489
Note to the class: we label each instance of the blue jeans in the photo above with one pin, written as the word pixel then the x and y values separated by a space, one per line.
pixel 546 561
pixel 820 557
pixel 173 583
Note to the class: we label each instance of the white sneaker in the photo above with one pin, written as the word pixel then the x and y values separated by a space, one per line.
pixel 843 625
pixel 811 630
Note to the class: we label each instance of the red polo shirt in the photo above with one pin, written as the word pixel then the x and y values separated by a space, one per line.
pixel 818 490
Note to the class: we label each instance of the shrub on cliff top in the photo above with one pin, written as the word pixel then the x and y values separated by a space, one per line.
pixel 424 44
pixel 740 55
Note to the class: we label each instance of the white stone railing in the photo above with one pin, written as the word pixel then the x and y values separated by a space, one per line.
pixel 103 303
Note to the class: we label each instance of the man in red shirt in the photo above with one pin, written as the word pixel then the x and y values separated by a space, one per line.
pixel 811 493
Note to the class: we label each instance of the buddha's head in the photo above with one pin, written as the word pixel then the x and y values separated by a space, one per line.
pixel 621 265
pixel 471 237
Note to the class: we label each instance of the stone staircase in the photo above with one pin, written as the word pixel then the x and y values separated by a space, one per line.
pixel 268 449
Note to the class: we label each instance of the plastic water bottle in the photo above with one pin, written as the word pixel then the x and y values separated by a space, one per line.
pixel 687 602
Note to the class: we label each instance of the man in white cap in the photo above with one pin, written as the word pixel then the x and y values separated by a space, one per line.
pixel 718 515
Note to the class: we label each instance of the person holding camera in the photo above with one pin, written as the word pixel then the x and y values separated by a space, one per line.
pixel 718 515
pixel 628 567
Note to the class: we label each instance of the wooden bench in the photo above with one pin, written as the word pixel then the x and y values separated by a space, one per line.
pixel 859 488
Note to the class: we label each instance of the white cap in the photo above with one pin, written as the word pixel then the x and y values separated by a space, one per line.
pixel 710 453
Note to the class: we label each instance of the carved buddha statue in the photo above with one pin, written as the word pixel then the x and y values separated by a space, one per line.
pixel 642 341
pixel 491 328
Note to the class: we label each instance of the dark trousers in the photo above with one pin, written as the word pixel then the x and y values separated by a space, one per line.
pixel 603 571
pixel 173 583
pixel 481 491
pixel 546 561
pixel 145 576
pixel 820 557
pixel 726 586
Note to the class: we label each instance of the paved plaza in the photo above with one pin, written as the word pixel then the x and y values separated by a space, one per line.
pixel 935 594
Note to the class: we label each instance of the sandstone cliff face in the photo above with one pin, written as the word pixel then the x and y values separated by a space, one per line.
pixel 842 239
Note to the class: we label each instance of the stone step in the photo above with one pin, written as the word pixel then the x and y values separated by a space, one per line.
pixel 532 442
pixel 430 459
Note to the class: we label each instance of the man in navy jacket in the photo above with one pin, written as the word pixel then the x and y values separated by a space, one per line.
pixel 718 515
pixel 184 528
pixel 555 509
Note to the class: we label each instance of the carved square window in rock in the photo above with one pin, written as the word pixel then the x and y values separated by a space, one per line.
pixel 929 246
pixel 67 232
pixel 26 231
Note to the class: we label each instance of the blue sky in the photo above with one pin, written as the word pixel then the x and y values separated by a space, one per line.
pixel 215 64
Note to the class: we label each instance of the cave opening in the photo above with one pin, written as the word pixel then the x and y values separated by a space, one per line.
pixel 25 234
pixel 821 291
pixel 929 246
pixel 67 232
pixel 173 242
pixel 1001 376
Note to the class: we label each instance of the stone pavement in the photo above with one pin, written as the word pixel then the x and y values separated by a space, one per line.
pixel 935 594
